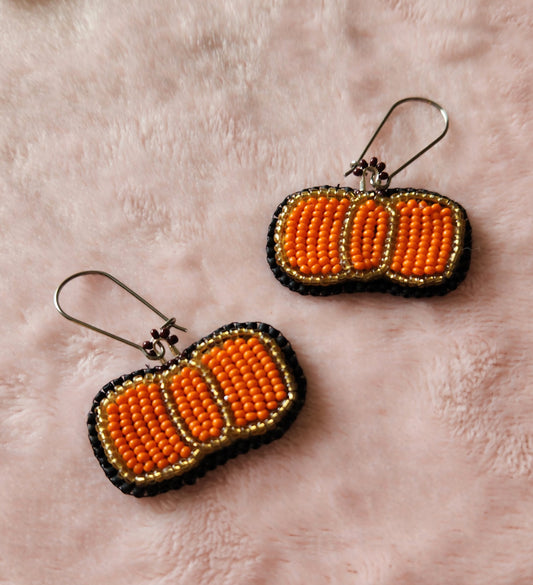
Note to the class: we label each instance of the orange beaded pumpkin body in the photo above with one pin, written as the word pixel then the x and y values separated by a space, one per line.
pixel 330 240
pixel 160 428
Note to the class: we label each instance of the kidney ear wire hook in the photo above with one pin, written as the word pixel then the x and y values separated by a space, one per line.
pixel 154 349
pixel 379 179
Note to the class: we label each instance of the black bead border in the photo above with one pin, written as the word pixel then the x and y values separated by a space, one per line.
pixel 216 458
pixel 383 285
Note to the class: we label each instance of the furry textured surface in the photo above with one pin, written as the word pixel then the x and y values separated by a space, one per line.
pixel 154 140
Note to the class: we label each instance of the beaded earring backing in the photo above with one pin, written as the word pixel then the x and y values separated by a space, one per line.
pixel 160 428
pixel 410 242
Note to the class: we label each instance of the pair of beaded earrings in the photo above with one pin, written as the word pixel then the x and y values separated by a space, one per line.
pixel 240 387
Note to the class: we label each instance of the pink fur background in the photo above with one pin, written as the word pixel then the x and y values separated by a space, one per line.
pixel 154 140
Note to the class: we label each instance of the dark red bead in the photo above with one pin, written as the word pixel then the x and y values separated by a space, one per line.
pixel 373 161
pixel 164 333
pixel 363 164
pixel 358 172
pixel 173 339
pixel 154 333
pixel 148 345
pixel 381 166
pixel 383 176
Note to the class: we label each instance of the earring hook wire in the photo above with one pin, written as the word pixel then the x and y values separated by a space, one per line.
pixel 169 322
pixel 444 114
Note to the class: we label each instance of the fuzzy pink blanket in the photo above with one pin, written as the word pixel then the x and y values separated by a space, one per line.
pixel 154 140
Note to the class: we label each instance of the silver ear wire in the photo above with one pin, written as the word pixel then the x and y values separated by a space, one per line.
pixel 382 183
pixel 157 349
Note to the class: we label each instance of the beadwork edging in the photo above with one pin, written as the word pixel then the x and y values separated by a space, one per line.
pixel 216 458
pixel 383 285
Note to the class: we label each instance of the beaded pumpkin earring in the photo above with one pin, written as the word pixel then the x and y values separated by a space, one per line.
pixel 410 242
pixel 160 428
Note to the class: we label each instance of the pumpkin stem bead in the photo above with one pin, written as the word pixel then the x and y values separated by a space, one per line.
pixel 375 168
